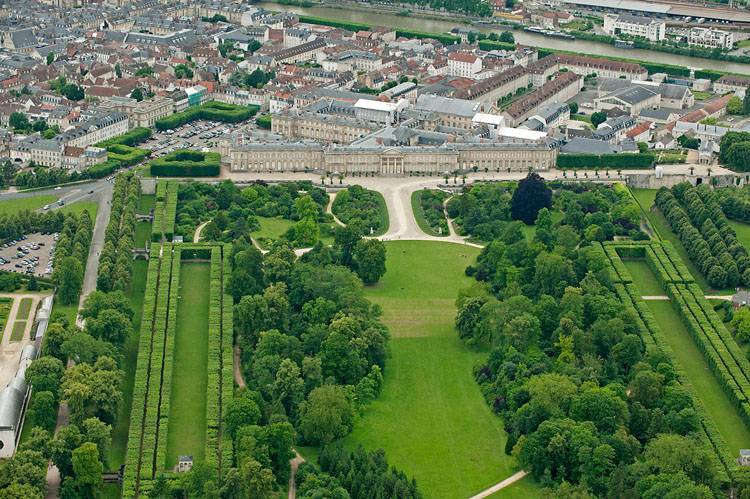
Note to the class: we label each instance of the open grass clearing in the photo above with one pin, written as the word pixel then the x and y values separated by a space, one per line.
pixel 659 224
pixel 705 385
pixel 187 406
pixel 5 305
pixel 11 206
pixel 271 229
pixel 145 204
pixel 142 234
pixel 79 207
pixel 135 294
pixel 431 418
pixel 19 327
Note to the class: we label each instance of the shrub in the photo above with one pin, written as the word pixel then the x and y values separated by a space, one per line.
pixel 187 163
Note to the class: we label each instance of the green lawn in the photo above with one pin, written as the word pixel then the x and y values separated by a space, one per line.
pixel 700 96
pixel 145 203
pixel 644 278
pixel 705 385
pixel 659 224
pixel 18 329
pixel 10 206
pixel 187 407
pixel 271 229
pixel 24 308
pixel 743 232
pixel 79 206
pixel 431 418
pixel 116 455
pixel 416 208
pixel 68 311
pixel 142 234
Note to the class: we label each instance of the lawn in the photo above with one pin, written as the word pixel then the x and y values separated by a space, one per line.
pixel 18 329
pixel 187 408
pixel 431 418
pixel 142 234
pixel 705 385
pixel 743 232
pixel 271 229
pixel 145 203
pixel 700 96
pixel 116 455
pixel 644 277
pixel 79 206
pixel 416 208
pixel 24 308
pixel 659 224
pixel 10 206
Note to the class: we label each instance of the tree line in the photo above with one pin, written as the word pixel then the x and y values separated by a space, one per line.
pixel 116 259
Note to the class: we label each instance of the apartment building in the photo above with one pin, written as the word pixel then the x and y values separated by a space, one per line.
pixel 454 113
pixel 141 114
pixel 649 28
pixel 464 64
pixel 710 38
pixel 737 85
pixel 560 89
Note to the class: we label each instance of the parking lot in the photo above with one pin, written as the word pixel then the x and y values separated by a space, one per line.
pixel 32 255
pixel 195 135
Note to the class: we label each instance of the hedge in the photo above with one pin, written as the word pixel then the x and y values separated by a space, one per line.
pixel 187 163
pixel 212 110
pixel 443 38
pixel 131 138
pixel 612 161
pixel 141 378
pixel 652 337
pixel 126 155
pixel 488 45
pixel 227 360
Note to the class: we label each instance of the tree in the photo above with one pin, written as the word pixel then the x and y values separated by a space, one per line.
pixel 507 37
pixel 598 118
pixel 735 106
pixel 50 58
pixel 326 415
pixel 258 482
pixel 137 94
pixel 110 325
pixel 242 411
pixel 368 260
pixel 741 324
pixel 87 469
pixel 530 196
pixel 43 409
pixel 689 142
pixel 93 390
pixel 18 121
pixel 69 280
pixel 573 107
pixel 45 374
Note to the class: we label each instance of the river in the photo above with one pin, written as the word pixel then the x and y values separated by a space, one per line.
pixel 376 18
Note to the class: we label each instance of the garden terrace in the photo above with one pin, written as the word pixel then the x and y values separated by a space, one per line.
pixel 693 315
pixel 184 370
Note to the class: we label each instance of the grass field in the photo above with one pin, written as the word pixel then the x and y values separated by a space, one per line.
pixel 656 220
pixel 743 232
pixel 187 407
pixel 18 329
pixel 116 455
pixel 273 228
pixel 431 418
pixel 142 234
pixel 24 308
pixel 416 208
pixel 705 385
pixel 10 206
pixel 79 206
pixel 145 203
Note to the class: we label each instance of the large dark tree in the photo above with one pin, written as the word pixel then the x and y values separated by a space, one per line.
pixel 531 196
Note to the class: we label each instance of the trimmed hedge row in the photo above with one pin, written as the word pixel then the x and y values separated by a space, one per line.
pixel 227 360
pixel 612 161
pixel 187 163
pixel 149 464
pixel 618 268
pixel 212 111
pixel 140 384
pixel 131 138
pixel 168 361
pixel 126 155
pixel 213 384
pixel 165 211
pixel 653 339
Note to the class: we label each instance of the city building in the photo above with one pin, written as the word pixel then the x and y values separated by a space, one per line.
pixel 710 38
pixel 464 64
pixel 643 27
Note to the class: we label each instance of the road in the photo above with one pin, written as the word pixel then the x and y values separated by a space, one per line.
pixel 104 198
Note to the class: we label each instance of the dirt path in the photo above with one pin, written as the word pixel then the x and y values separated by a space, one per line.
pixel 329 209
pixel 505 483
pixel 719 297
pixel 238 377
pixel 655 298
pixel 198 230
pixel 294 464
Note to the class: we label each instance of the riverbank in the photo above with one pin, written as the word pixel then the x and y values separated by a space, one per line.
pixel 377 15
